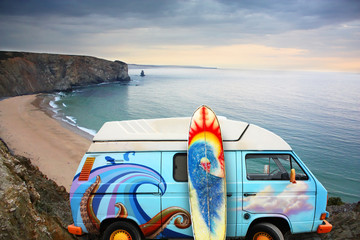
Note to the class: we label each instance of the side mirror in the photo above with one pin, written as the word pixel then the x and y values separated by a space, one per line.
pixel 292 176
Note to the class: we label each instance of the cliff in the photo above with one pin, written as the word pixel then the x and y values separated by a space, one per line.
pixel 32 206
pixel 27 73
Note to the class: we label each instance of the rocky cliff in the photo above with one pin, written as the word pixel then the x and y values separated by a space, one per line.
pixel 32 206
pixel 26 73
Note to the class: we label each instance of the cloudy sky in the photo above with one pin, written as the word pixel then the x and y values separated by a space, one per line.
pixel 281 34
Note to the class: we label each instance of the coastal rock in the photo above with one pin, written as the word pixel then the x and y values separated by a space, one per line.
pixel 27 73
pixel 32 207
pixel 345 220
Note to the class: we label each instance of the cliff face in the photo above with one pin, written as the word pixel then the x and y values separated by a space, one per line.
pixel 27 73
pixel 32 207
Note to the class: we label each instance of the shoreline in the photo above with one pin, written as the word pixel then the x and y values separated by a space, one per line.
pixel 30 129
pixel 42 102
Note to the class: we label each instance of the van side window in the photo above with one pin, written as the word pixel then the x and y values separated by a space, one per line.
pixel 272 167
pixel 180 167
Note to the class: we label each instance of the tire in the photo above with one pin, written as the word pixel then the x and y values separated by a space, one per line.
pixel 126 230
pixel 266 231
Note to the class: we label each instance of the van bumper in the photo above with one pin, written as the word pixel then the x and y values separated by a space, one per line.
pixel 325 227
pixel 75 230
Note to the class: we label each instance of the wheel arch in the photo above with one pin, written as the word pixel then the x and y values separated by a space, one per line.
pixel 107 222
pixel 279 221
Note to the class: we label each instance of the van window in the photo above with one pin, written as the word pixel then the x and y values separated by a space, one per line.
pixel 180 167
pixel 272 167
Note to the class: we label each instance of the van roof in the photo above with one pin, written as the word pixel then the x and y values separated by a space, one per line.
pixel 145 135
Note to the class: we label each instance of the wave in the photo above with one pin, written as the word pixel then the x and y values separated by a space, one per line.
pixel 71 119
pixel 60 115
pixel 53 104
pixel 87 130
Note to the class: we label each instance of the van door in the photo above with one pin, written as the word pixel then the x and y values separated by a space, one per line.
pixel 175 201
pixel 267 189
pixel 176 197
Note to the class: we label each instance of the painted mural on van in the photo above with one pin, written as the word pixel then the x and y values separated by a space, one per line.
pixel 101 199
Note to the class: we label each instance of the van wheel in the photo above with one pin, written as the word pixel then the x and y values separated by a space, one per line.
pixel 122 231
pixel 265 231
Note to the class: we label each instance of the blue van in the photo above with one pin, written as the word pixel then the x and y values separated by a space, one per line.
pixel 132 183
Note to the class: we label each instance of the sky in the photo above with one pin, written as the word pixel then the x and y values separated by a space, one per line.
pixel 317 35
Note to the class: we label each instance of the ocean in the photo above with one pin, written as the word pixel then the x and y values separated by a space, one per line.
pixel 317 113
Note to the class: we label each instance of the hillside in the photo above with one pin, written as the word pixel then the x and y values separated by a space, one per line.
pixel 32 206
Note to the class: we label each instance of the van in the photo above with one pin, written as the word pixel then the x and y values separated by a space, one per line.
pixel 132 183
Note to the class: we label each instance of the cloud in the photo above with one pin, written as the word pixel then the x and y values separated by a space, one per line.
pixel 293 200
pixel 73 8
pixel 272 17
pixel 317 29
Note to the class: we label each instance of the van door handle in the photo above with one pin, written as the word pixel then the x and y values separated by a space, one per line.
pixel 229 195
pixel 249 194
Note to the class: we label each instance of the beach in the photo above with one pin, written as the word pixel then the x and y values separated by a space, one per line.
pixel 52 146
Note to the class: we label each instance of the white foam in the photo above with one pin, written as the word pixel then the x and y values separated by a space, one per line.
pixel 53 104
pixel 68 122
pixel 71 119
pixel 87 130
pixel 54 107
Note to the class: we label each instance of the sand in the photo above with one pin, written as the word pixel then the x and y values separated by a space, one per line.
pixel 30 132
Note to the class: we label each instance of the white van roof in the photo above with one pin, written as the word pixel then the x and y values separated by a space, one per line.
pixel 171 134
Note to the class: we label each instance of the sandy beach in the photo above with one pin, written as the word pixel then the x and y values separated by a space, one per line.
pixel 30 132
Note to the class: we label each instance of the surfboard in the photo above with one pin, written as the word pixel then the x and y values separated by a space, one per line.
pixel 206 176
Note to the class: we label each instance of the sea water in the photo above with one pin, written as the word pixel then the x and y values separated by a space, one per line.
pixel 317 113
